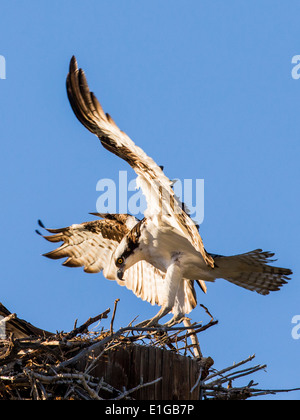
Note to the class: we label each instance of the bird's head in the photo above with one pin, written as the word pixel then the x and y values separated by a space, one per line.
pixel 120 264
pixel 128 253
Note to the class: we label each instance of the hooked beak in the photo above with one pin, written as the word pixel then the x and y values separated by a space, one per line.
pixel 120 274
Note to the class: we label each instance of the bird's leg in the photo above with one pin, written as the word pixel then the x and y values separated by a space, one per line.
pixel 172 284
pixel 153 322
pixel 176 319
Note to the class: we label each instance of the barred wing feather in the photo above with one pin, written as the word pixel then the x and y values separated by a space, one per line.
pixel 155 185
pixel 91 245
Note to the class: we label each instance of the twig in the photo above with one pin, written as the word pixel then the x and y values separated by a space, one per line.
pixel 207 311
pixel 89 350
pixel 199 328
pixel 234 366
pixel 141 385
pixel 236 375
pixel 194 339
pixel 90 391
pixel 84 327
pixel 112 337
pixel 219 392
pixel 205 364
pixel 113 315
pixel 197 382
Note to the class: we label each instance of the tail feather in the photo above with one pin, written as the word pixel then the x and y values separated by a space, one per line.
pixel 251 271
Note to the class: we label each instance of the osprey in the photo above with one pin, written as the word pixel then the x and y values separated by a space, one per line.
pixel 161 256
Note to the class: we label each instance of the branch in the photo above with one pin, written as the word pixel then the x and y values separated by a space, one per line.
pixel 84 327
pixel 141 385
pixel 113 316
pixel 234 366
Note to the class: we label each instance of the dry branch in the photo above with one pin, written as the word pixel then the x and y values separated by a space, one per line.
pixel 38 365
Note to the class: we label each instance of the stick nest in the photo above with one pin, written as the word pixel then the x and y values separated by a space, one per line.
pixel 38 365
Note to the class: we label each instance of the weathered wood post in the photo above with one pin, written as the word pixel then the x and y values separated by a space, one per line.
pixel 129 366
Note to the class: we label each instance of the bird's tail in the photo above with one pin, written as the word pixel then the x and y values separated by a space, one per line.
pixel 251 271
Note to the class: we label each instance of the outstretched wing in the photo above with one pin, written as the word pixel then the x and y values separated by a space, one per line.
pixel 155 185
pixel 91 245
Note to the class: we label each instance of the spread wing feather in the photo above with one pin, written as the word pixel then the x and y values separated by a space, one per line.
pixel 92 244
pixel 155 185
pixel 88 244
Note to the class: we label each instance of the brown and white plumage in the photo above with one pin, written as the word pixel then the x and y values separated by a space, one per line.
pixel 89 244
pixel 160 257
pixel 252 271
pixel 155 185
pixel 92 245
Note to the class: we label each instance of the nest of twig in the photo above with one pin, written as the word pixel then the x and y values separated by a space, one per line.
pixel 38 365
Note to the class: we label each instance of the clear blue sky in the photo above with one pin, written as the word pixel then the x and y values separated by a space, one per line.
pixel 206 89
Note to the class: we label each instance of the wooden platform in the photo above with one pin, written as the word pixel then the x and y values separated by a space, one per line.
pixel 130 365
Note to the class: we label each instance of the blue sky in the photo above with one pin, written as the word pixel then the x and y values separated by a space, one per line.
pixel 203 87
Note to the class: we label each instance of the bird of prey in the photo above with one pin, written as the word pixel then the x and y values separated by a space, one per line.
pixel 161 257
